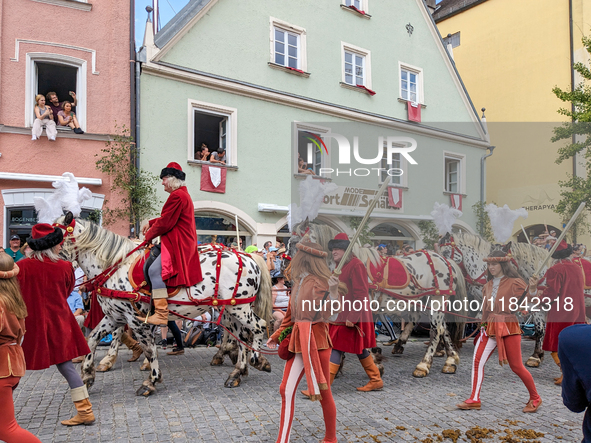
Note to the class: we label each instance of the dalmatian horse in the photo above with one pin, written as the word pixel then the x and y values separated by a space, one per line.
pixel 96 249
pixel 469 250
pixel 445 274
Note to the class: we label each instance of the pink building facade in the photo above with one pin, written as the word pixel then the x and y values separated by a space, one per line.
pixel 61 46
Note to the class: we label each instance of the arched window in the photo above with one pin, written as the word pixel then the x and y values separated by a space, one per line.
pixel 392 235
pixel 218 228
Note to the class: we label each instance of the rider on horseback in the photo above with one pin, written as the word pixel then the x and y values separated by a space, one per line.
pixel 178 263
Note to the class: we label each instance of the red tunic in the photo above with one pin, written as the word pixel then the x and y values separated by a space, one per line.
pixel 178 237
pixel 53 335
pixel 563 280
pixel 362 336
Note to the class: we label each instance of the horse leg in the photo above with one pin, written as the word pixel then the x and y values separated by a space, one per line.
pixel 398 348
pixel 453 357
pixel 105 326
pixel 540 330
pixel 109 360
pixel 259 329
pixel 423 368
pixel 218 358
pixel 241 368
pixel 145 338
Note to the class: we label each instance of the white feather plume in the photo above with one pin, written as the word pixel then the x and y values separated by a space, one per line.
pixel 312 194
pixel 66 196
pixel 502 220
pixel 444 217
pixel 48 210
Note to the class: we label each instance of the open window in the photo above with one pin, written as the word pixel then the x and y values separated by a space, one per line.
pixel 311 149
pixel 214 126
pixel 55 73
pixel 454 173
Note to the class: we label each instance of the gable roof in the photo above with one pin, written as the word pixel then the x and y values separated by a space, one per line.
pixel 447 8
pixel 178 22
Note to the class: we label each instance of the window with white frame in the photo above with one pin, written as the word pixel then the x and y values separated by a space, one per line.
pixel 288 45
pixel 357 3
pixel 411 84
pixel 453 174
pixel 398 168
pixel 215 127
pixel 64 75
pixel 311 149
pixel 356 66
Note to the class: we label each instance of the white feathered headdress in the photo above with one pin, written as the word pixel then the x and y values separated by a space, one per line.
pixel 444 217
pixel 312 194
pixel 502 220
pixel 66 196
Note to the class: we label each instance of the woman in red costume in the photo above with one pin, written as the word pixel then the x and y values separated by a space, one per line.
pixel 12 360
pixel 310 339
pixel 501 329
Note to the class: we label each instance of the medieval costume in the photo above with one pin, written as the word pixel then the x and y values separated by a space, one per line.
pixel 563 280
pixel 178 263
pixel 53 337
pixel 354 330
pixel 12 359
pixel 310 343
pixel 500 329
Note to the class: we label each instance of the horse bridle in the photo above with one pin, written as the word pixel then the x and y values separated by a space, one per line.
pixel 69 234
pixel 478 281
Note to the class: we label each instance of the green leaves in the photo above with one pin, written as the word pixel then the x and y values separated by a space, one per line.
pixel 429 234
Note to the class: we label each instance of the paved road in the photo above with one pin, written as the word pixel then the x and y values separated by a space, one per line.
pixel 193 406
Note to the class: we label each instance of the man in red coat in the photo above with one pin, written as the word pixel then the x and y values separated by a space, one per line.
pixel 53 336
pixel 353 330
pixel 564 288
pixel 178 262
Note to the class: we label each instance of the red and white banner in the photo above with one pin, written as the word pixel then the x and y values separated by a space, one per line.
pixel 213 179
pixel 395 197
pixel 456 201
pixel 414 112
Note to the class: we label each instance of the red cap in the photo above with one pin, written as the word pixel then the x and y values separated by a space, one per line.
pixel 563 245
pixel 174 165
pixel 341 236
pixel 41 230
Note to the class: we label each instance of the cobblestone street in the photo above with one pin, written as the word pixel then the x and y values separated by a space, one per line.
pixel 192 404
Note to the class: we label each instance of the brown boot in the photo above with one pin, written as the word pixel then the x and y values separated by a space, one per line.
pixel 334 369
pixel 558 380
pixel 132 345
pixel 375 381
pixel 160 317
pixel 83 406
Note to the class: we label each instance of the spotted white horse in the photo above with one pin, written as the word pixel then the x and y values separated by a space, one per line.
pixel 96 249
pixel 445 274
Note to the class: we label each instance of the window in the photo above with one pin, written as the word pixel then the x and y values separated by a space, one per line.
pixel 453 39
pixel 357 3
pixel 411 84
pixel 288 45
pixel 218 228
pixel 214 126
pixel 356 66
pixel 312 148
pixel 359 7
pixel 55 73
pixel 454 173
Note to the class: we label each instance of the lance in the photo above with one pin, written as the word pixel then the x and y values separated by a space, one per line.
pixel 364 221
pixel 549 255
pixel 526 237
pixel 237 233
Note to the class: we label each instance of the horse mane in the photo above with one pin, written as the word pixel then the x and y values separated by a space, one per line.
pixel 526 253
pixel 480 245
pixel 107 246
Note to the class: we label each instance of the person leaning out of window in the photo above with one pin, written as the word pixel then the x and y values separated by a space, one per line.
pixel 43 116
pixel 67 118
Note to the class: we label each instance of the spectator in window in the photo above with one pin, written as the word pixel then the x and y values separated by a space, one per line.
pixel 14 249
pixel 218 156
pixel 303 167
pixel 67 118
pixel 55 105
pixel 204 154
pixel 43 116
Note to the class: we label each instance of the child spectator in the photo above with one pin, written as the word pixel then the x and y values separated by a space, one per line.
pixel 43 116
pixel 67 118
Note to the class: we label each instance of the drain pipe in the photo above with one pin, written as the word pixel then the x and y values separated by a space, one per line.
pixel 483 180
pixel 137 131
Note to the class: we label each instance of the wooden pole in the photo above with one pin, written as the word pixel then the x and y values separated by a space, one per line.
pixel 526 237
pixel 237 232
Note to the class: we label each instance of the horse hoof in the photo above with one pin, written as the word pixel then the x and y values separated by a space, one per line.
pixel 381 369
pixel 232 382
pixel 103 368
pixel 439 354
pixel 398 350
pixel 145 391
pixel 419 373
pixel 449 369
pixel 88 383
pixel 145 367
pixel 266 367
pixel 217 362
pixel 533 362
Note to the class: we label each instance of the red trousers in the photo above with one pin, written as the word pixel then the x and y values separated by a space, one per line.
pixel 482 352
pixel 292 374
pixel 10 431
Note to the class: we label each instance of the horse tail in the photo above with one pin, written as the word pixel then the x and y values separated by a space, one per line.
pixel 456 325
pixel 263 304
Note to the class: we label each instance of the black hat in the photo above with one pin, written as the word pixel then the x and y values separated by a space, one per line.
pixel 341 241
pixel 173 169
pixel 563 250
pixel 44 236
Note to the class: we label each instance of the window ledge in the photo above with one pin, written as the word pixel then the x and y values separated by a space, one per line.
pixel 401 100
pixel 455 193
pixel 74 4
pixel 293 71
pixel 403 187
pixel 201 163
pixel 356 88
pixel 67 133
pixel 356 11
pixel 315 177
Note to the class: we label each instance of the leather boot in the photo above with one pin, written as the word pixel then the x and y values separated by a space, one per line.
pixel 375 381
pixel 83 406
pixel 160 317
pixel 334 369
pixel 558 380
pixel 132 345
